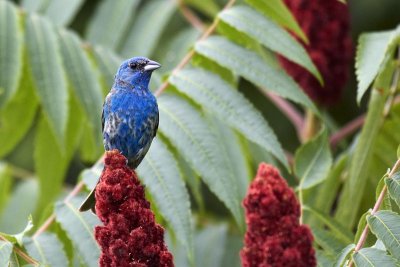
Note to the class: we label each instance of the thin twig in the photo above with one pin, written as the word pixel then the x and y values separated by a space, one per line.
pixel 377 205
pixel 190 16
pixel 294 116
pixel 22 254
pixel 190 54
pixel 347 130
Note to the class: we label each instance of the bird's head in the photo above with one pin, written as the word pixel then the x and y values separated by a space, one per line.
pixel 136 72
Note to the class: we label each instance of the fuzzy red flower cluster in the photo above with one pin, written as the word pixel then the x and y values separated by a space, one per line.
pixel 274 237
pixel 326 25
pixel 130 236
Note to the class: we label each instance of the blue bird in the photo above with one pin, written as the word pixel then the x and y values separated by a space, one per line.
pixel 130 114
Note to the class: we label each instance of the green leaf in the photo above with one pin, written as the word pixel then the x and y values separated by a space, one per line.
pixel 48 76
pixel 323 259
pixel 249 65
pixel 313 161
pixel 221 99
pixel 386 226
pixel 143 36
pixel 327 240
pixel 83 79
pixel 47 249
pixel 5 184
pixel 277 10
pixel 340 232
pixel 266 32
pixel 33 5
pixel 160 173
pixel 17 238
pixel 209 7
pixel 62 12
pixel 5 252
pixel 393 184
pixel 91 176
pixel 372 257
pixel 11 40
pixel 79 227
pixel 386 204
pixel 110 22
pixel 21 204
pixel 232 153
pixel 371 51
pixel 188 131
pixel 51 162
pixel 20 108
pixel 344 255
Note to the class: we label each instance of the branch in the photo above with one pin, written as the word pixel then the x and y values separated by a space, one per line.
pixel 377 205
pixel 22 254
pixel 190 16
pixel 347 130
pixel 190 54
pixel 294 116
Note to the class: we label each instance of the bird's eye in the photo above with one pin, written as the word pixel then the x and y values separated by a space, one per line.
pixel 132 65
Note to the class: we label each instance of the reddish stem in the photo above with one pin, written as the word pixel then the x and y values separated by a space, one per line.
pixel 347 130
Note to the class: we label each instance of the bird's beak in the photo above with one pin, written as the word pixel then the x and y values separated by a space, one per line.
pixel 152 65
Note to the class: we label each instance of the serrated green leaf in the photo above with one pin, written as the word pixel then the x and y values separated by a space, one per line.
pixel 249 65
pixel 83 80
pixel 110 22
pixel 269 34
pixel 5 184
pixel 344 255
pixel 21 204
pixel 229 105
pixel 189 133
pixel 22 109
pixel 233 154
pixel 371 51
pixel 341 232
pixel 277 10
pixel 393 184
pixel 47 249
pixel 323 259
pixel 48 75
pixel 313 161
pixel 372 257
pixel 160 173
pixel 5 252
pixel 91 176
pixel 11 40
pixel 51 162
pixel 80 228
pixel 386 204
pixel 147 28
pixel 386 226
pixel 62 12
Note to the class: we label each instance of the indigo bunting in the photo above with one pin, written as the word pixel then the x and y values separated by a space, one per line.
pixel 130 114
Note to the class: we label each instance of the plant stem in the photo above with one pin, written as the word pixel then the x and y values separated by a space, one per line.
pixel 190 16
pixel 190 54
pixel 294 116
pixel 22 254
pixel 347 130
pixel 377 205
pixel 310 126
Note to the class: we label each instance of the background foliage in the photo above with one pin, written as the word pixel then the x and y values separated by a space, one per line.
pixel 57 62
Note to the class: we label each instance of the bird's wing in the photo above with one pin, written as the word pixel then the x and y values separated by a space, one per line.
pixel 156 125
pixel 102 120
